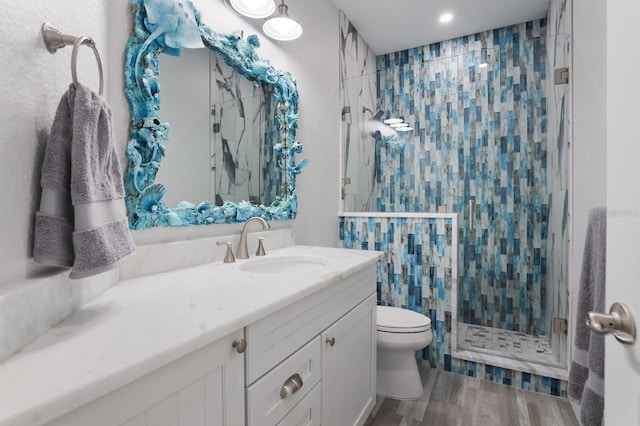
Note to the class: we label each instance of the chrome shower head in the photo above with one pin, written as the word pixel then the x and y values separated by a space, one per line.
pixel 377 116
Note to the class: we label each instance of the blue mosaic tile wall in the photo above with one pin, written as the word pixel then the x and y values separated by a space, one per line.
pixel 479 134
pixel 416 273
pixel 517 379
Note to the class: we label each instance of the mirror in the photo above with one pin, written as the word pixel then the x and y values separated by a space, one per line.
pixel 221 141
pixel 264 154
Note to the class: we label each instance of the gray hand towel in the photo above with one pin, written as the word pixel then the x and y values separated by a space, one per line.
pixel 81 169
pixel 586 376
pixel 53 243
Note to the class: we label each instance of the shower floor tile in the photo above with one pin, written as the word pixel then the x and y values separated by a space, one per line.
pixel 511 344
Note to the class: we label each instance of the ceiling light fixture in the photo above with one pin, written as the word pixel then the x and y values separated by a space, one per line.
pixel 446 17
pixel 254 8
pixel 393 120
pixel 281 26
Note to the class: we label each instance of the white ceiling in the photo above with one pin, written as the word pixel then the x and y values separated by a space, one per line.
pixel 393 25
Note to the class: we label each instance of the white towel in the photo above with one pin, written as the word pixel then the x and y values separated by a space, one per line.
pixel 82 219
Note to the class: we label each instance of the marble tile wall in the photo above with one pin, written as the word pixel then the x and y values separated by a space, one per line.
pixel 559 137
pixel 244 130
pixel 358 97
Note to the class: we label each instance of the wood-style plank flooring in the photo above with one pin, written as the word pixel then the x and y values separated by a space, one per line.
pixel 454 400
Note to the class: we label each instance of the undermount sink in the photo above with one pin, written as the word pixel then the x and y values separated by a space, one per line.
pixel 284 264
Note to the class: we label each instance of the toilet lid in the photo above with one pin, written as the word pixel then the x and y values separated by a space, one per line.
pixel 398 320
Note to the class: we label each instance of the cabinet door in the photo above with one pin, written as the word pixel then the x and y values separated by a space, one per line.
pixel 205 388
pixel 349 366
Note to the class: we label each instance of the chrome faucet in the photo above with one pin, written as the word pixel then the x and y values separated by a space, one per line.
pixel 243 252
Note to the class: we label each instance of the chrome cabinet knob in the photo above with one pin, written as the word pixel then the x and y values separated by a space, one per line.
pixel 331 341
pixel 292 385
pixel 240 345
pixel 619 322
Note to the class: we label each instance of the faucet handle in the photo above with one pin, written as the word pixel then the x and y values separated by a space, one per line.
pixel 260 251
pixel 228 257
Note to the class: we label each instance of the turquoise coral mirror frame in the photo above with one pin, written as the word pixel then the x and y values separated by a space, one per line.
pixel 166 26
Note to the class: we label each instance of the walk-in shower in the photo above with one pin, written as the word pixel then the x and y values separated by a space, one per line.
pixel 471 206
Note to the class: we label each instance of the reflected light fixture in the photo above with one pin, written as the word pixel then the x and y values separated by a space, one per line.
pixel 254 8
pixel 281 26
pixel 398 125
pixel 483 65
pixel 393 121
pixel 404 129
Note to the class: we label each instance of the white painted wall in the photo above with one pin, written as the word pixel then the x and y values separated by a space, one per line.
pixel 589 129
pixel 186 170
pixel 33 298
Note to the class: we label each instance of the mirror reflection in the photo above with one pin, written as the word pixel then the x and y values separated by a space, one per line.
pixel 223 131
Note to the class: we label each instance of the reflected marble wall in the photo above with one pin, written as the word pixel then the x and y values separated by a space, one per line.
pixel 558 170
pixel 357 91
pixel 239 132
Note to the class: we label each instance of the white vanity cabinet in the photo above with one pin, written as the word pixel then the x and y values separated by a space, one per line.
pixel 309 359
pixel 204 388
pixel 349 366
pixel 321 350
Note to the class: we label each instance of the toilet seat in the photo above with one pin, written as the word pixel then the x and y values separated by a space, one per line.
pixel 398 320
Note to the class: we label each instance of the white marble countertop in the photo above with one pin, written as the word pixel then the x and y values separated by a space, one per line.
pixel 143 324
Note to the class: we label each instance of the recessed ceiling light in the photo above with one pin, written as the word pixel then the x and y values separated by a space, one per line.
pixel 446 17
pixel 393 120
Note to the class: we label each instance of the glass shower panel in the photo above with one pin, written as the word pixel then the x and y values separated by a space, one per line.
pixel 558 172
pixel 359 143
pixel 512 278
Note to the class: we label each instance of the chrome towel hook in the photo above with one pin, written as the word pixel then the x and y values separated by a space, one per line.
pixel 54 39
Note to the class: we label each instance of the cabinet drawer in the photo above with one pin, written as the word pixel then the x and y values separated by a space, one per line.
pixel 265 405
pixel 271 339
pixel 307 412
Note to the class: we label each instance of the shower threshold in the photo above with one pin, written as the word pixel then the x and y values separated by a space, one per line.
pixel 505 343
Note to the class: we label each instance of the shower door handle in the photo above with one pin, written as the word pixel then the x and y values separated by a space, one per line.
pixel 619 322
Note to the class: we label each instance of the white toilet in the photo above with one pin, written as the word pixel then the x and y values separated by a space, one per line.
pixel 401 333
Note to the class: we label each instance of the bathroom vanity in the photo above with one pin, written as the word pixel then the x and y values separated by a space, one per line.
pixel 288 338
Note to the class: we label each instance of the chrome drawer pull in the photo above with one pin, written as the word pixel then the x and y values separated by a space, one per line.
pixel 291 386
